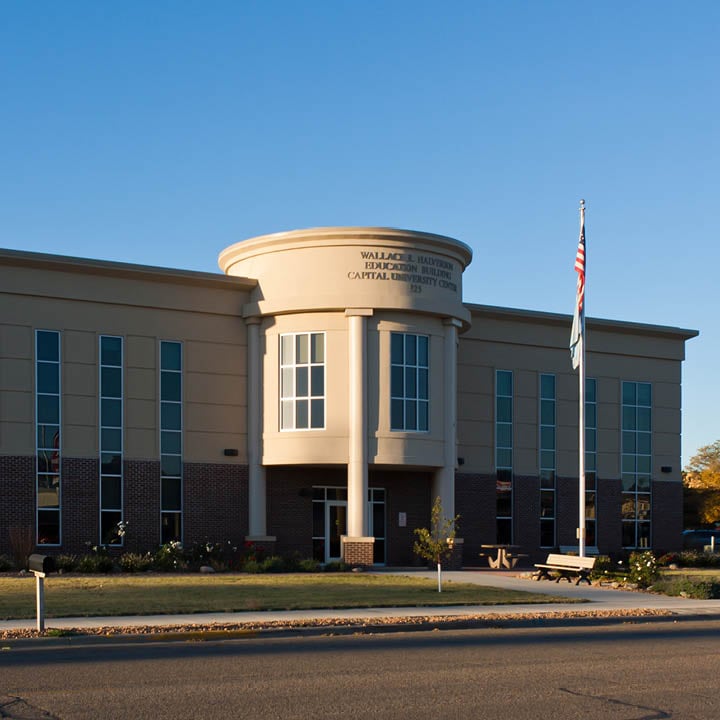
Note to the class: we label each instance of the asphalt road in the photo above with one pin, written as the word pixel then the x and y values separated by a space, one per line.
pixel 631 671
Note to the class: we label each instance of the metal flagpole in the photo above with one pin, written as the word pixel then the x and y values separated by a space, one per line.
pixel 581 410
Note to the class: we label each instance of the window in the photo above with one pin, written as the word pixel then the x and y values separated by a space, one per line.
pixel 409 383
pixel 547 460
pixel 590 462
pixel 171 442
pixel 111 440
pixel 636 463
pixel 47 434
pixel 504 454
pixel 329 509
pixel 302 381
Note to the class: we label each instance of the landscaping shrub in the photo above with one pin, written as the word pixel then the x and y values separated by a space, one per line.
pixel 672 558
pixel 689 558
pixel 698 588
pixel 273 564
pixel 603 568
pixel 6 563
pixel 202 553
pixel 643 569
pixel 22 544
pixel 66 563
pixel 696 558
pixel 251 566
pixel 96 562
pixel 135 562
pixel 169 557
pixel 252 551
pixel 337 566
pixel 308 565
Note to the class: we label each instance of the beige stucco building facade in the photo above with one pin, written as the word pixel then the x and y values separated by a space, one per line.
pixel 315 398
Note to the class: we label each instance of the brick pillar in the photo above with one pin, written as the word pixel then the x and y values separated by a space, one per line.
pixel 17 509
pixel 609 520
pixel 475 503
pixel 357 551
pixel 455 561
pixel 526 516
pixel 81 501
pixel 667 516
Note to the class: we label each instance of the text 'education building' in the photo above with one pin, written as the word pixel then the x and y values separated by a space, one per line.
pixel 316 399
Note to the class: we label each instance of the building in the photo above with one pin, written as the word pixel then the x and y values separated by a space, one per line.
pixel 316 398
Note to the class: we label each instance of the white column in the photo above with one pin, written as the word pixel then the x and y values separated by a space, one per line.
pixel 357 472
pixel 257 491
pixel 444 479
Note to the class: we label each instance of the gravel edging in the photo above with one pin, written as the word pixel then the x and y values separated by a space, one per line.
pixel 336 626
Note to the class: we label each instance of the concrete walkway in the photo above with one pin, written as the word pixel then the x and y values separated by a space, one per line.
pixel 598 599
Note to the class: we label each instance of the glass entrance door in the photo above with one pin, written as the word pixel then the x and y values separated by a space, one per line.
pixel 335 528
pixel 329 522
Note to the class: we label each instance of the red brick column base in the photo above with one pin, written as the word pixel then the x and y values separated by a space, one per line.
pixel 357 551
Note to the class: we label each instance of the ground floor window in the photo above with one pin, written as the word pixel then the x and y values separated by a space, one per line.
pixel 330 523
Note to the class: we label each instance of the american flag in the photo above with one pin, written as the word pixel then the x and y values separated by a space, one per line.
pixel 576 338
pixel 580 266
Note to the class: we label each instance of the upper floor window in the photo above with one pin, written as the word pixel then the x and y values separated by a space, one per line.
pixel 409 382
pixel 302 381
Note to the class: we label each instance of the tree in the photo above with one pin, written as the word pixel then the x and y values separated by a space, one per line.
pixel 703 470
pixel 436 543
pixel 701 479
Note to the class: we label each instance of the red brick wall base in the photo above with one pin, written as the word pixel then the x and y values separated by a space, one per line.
pixel 358 551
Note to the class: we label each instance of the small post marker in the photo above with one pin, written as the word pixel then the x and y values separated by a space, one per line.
pixel 40 566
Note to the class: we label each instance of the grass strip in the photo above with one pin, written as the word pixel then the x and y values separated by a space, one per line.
pixel 111 595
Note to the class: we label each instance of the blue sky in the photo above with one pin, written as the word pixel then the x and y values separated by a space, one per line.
pixel 161 132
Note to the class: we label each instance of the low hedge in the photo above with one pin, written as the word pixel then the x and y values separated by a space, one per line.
pixel 698 588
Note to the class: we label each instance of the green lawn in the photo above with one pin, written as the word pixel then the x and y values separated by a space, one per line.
pixel 713 573
pixel 88 595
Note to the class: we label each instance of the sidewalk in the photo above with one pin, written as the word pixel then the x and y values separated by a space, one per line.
pixel 598 600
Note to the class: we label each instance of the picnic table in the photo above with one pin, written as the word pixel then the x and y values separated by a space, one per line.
pixel 501 556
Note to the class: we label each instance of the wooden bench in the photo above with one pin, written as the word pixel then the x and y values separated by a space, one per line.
pixel 565 567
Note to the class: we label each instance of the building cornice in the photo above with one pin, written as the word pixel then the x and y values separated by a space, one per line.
pixel 63 263
pixel 618 326
pixel 344 236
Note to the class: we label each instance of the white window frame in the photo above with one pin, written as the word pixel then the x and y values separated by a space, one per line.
pixel 646 494
pixel 404 398
pixel 290 369
pixel 181 371
pixel 101 427
pixel 549 486
pixel 38 449
pixel 591 455
pixel 509 468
